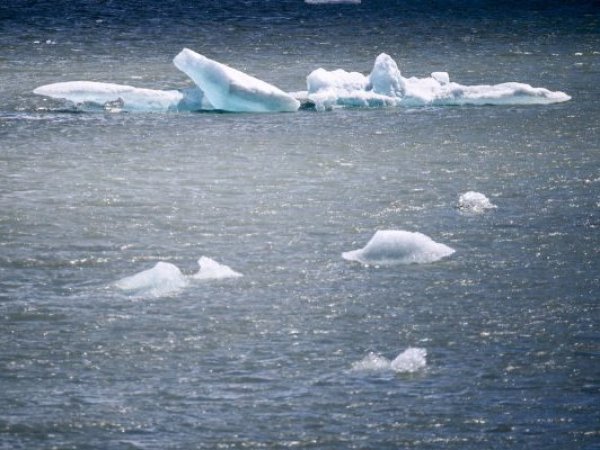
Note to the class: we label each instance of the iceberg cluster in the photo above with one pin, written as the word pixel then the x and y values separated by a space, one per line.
pixel 388 247
pixel 411 360
pixel 220 87
pixel 166 279
pixel 385 86
pixel 474 202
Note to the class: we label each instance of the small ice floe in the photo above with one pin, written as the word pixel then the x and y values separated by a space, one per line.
pixel 399 247
pixel 474 202
pixel 411 360
pixel 212 270
pixel 163 279
pixel 166 279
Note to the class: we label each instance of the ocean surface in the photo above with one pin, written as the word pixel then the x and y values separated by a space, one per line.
pixel 297 353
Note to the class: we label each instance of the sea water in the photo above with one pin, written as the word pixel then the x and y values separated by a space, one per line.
pixel 494 346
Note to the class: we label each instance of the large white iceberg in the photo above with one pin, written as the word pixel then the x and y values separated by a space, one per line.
pixel 229 89
pixel 411 360
pixel 399 247
pixel 385 86
pixel 124 97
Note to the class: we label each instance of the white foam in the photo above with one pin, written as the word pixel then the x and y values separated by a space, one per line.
pixel 474 202
pixel 128 98
pixel 399 247
pixel 212 270
pixel 229 89
pixel 387 87
pixel 412 360
pixel 163 279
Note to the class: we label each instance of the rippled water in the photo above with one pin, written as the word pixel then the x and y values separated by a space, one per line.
pixel 509 322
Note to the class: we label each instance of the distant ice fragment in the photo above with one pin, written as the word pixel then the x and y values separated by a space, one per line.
pixel 474 202
pixel 212 270
pixel 332 2
pixel 228 89
pixel 163 279
pixel 128 98
pixel 385 86
pixel 411 360
pixel 389 247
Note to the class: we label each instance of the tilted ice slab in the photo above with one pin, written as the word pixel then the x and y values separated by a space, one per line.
pixel 474 202
pixel 411 360
pixel 399 247
pixel 124 97
pixel 385 86
pixel 166 278
pixel 229 89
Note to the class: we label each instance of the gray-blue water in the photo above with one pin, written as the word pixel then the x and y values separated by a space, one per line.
pixel 510 322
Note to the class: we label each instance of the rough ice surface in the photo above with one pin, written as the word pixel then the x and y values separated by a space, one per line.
pixel 228 89
pixel 388 247
pixel 386 86
pixel 474 202
pixel 163 279
pixel 411 360
pixel 212 270
pixel 124 97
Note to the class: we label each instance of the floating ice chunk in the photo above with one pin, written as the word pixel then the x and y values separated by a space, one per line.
pixel 474 202
pixel 399 247
pixel 229 89
pixel 163 279
pixel 212 270
pixel 128 98
pixel 387 87
pixel 411 360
